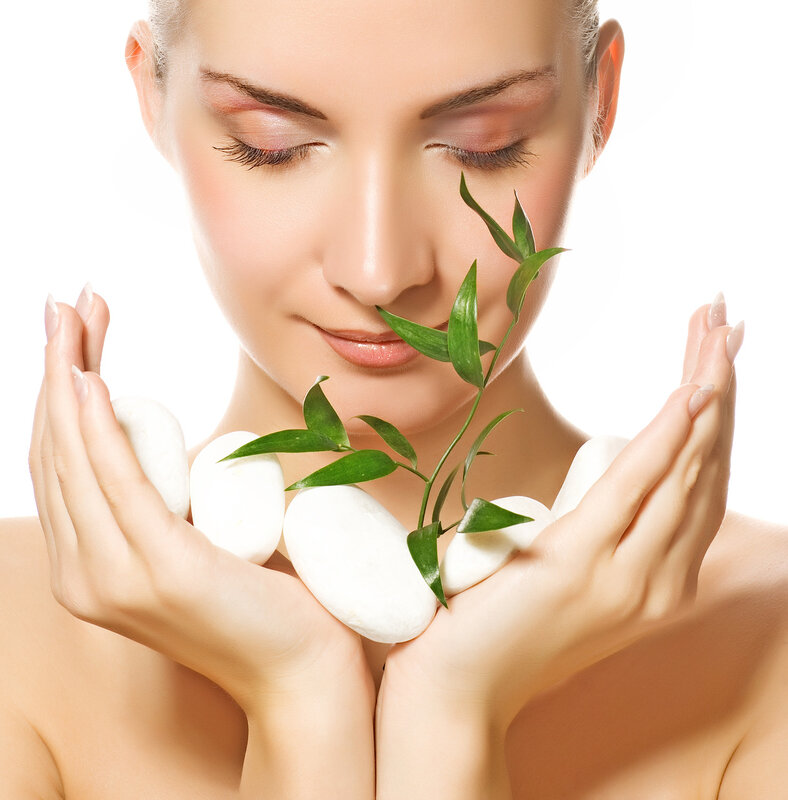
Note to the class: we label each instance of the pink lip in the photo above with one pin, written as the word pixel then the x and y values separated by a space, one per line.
pixel 364 336
pixel 364 349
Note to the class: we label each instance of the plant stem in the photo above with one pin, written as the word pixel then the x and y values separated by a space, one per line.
pixel 431 480
pixel 451 447
pixel 414 471
pixel 498 350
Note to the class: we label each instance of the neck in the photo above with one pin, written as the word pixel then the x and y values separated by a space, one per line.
pixel 533 449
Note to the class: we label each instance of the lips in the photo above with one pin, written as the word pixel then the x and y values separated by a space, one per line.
pixel 368 336
pixel 364 336
pixel 370 349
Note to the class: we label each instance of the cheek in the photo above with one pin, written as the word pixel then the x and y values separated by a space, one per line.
pixel 545 193
pixel 245 248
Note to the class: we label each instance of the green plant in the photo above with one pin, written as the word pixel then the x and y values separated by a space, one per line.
pixel 460 345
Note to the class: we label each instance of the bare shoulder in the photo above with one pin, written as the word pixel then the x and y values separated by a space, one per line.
pixel 26 601
pixel 751 564
pixel 748 553
pixel 31 622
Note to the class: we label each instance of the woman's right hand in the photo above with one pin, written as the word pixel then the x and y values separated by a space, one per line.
pixel 624 562
pixel 121 560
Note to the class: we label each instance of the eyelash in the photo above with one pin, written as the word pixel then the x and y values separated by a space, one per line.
pixel 512 155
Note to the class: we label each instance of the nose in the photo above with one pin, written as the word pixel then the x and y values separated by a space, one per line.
pixel 378 240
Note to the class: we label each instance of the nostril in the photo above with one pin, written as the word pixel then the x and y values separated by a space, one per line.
pixel 380 278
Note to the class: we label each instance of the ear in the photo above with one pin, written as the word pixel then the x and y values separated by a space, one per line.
pixel 141 62
pixel 610 57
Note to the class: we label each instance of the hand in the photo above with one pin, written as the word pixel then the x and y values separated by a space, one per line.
pixel 121 560
pixel 623 563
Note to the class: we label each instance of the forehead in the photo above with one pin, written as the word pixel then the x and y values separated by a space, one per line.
pixel 395 53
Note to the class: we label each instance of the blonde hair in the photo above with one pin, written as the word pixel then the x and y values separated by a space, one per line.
pixel 584 21
pixel 167 17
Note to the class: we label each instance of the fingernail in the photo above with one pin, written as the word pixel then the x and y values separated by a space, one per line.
pixel 85 302
pixel 718 314
pixel 51 317
pixel 699 399
pixel 735 338
pixel 80 383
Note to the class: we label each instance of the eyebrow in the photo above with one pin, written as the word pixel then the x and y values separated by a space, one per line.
pixel 467 97
pixel 476 94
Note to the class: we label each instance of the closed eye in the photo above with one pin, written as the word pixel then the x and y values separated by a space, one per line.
pixel 252 157
pixel 512 155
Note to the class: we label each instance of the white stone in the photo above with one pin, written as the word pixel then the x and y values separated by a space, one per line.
pixel 472 557
pixel 238 504
pixel 157 440
pixel 352 554
pixel 589 464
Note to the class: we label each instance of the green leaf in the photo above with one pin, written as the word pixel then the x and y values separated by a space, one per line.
pixel 320 416
pixel 443 493
pixel 363 465
pixel 463 333
pixel 526 272
pixel 432 343
pixel 294 441
pixel 474 451
pixel 502 239
pixel 428 341
pixel 523 233
pixel 486 347
pixel 423 546
pixel 392 437
pixel 486 516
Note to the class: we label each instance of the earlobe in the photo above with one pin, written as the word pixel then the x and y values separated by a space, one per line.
pixel 141 62
pixel 610 57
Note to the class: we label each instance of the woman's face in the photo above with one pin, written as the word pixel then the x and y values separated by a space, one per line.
pixel 367 210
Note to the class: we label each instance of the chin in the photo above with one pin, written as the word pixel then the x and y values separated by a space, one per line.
pixel 413 404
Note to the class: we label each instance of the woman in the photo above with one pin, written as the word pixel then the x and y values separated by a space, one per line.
pixel 647 610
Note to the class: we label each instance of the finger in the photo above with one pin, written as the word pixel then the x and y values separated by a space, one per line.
pixel 35 455
pixel 697 330
pixel 708 499
pixel 77 510
pixel 58 531
pixel 135 504
pixel 724 444
pixel 660 517
pixel 38 467
pixel 39 416
pixel 94 313
pixel 63 532
pixel 607 509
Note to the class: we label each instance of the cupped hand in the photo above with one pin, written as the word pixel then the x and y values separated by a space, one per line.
pixel 121 560
pixel 622 564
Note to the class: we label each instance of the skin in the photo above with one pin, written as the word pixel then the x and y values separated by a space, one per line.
pixel 246 254
pixel 611 576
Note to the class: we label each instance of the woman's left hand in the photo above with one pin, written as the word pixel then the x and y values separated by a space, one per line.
pixel 622 564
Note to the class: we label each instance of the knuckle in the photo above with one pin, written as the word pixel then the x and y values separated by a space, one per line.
pixel 692 472
pixel 624 596
pixel 627 495
pixel 120 491
pixel 171 587
pixel 666 600
pixel 575 567
pixel 61 468
pixel 625 507
pixel 76 597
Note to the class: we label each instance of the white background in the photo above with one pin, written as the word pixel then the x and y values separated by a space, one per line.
pixel 688 199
